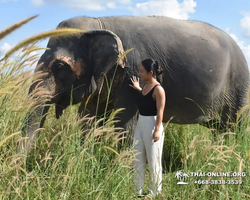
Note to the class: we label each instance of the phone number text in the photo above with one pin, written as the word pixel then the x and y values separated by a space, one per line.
pixel 218 182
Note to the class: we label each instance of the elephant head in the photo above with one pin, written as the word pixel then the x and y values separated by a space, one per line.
pixel 74 68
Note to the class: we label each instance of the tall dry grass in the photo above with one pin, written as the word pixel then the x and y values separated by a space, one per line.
pixel 59 162
pixel 61 166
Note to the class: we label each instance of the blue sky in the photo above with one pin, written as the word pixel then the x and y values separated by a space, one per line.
pixel 232 16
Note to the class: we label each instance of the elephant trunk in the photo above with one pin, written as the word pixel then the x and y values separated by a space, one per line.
pixel 35 119
pixel 33 122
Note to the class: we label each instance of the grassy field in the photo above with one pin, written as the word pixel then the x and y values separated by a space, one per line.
pixel 59 167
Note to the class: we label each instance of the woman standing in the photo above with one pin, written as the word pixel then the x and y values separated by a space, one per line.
pixel 149 136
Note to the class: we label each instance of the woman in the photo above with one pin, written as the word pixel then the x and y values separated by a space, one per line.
pixel 149 135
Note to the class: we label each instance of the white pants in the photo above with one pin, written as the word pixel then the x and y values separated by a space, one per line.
pixel 148 150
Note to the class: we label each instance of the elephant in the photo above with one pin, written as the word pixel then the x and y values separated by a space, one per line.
pixel 205 74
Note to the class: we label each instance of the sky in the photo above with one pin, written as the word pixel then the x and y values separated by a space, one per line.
pixel 231 16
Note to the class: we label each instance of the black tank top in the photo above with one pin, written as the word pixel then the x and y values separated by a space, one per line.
pixel 147 104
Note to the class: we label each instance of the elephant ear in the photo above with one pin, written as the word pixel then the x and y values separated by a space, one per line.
pixel 106 43
pixel 105 51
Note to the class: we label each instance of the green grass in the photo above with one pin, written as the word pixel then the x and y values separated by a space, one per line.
pixel 61 167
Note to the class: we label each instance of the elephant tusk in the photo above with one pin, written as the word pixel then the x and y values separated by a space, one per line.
pixel 93 85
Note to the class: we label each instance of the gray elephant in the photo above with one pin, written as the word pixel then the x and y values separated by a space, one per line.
pixel 206 77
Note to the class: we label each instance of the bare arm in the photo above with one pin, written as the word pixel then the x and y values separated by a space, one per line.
pixel 160 104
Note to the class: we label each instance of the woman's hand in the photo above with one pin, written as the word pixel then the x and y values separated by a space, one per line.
pixel 135 82
pixel 156 135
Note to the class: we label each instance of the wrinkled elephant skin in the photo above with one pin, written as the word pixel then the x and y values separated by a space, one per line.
pixel 205 73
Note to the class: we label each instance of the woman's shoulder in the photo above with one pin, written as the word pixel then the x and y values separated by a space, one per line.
pixel 159 88
pixel 158 85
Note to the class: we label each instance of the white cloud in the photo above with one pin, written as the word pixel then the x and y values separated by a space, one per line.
pixel 111 5
pixel 5 47
pixel 37 2
pixel 245 24
pixel 243 46
pixel 170 8
pixel 94 5
pixel 228 29
pixel 125 1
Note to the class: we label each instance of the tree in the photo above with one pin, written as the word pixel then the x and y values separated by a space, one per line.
pixel 178 175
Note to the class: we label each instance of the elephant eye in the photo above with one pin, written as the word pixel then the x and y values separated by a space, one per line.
pixel 60 70
pixel 59 66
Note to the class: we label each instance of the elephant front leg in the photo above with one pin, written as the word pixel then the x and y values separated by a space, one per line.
pixel 127 118
pixel 30 130
pixel 85 111
pixel 89 109
pixel 92 110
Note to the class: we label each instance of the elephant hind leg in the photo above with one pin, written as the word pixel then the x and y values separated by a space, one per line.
pixel 230 114
pixel 221 124
pixel 217 126
pixel 226 122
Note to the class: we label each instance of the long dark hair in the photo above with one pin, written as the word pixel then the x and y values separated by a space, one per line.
pixel 152 65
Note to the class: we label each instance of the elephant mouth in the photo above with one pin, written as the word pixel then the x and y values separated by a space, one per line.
pixel 62 102
pixel 62 99
pixel 59 110
pixel 60 106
